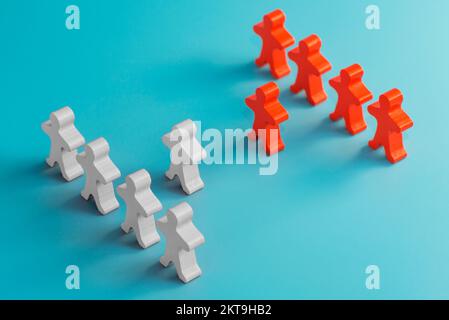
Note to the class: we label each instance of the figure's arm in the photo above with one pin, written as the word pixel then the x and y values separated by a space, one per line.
pixel 259 28
pixel 360 93
pixel 46 127
pixel 81 159
pixel 335 83
pixel 121 190
pixel 277 114
pixel 169 139
pixel 283 38
pixel 374 109
pixel 145 210
pixel 107 171
pixel 148 204
pixel 162 224
pixel 191 245
pixel 185 245
pixel 251 102
pixel 320 64
pixel 66 145
pixel 196 152
pixel 294 54
pixel 190 237
pixel 72 139
pixel 401 121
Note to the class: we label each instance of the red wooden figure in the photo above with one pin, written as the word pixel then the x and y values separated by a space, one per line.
pixel 311 66
pixel 268 114
pixel 391 122
pixel 275 39
pixel 352 93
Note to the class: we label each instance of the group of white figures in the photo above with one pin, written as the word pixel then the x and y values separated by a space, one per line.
pixel 182 237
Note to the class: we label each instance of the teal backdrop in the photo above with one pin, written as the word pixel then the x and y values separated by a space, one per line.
pixel 136 68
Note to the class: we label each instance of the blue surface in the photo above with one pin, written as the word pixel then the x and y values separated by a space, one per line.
pixel 138 67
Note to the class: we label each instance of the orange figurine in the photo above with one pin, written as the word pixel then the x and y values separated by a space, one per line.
pixel 352 93
pixel 275 39
pixel 391 122
pixel 268 114
pixel 311 66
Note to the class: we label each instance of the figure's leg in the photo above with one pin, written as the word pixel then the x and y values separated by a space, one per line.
pixel 87 191
pixel 146 232
pixel 105 198
pixel 254 134
pixel 166 259
pixel 186 266
pixel 127 225
pixel 279 65
pixel 51 160
pixel 262 59
pixel 338 112
pixel 298 86
pixel 171 172
pixel 273 140
pixel 315 91
pixel 70 168
pixel 375 143
pixel 190 178
pixel 394 148
pixel 355 122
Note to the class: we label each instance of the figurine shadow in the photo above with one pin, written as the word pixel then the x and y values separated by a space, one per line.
pixel 155 270
pixel 324 130
pixel 168 274
pixel 115 234
pixel 123 239
pixel 52 173
pixel 161 182
pixel 37 170
pixel 329 127
pixel 296 99
pixel 262 72
pixel 245 71
pixel 370 157
pixel 173 186
pixel 79 204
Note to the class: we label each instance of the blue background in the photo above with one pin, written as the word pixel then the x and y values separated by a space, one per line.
pixel 138 67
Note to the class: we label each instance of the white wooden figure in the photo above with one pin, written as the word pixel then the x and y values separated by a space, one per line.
pixel 65 139
pixel 100 175
pixel 185 154
pixel 141 205
pixel 182 238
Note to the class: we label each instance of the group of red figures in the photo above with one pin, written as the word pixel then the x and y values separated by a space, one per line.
pixel 352 93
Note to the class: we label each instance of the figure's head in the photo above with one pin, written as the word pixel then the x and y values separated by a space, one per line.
pixel 62 118
pixel 184 130
pixel 268 92
pixel 180 215
pixel 180 219
pixel 391 100
pixel 351 74
pixel 138 181
pixel 97 149
pixel 274 19
pixel 311 44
